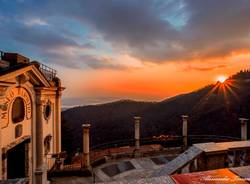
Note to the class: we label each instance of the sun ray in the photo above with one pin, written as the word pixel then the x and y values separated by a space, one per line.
pixel 223 86
pixel 205 97
pixel 230 90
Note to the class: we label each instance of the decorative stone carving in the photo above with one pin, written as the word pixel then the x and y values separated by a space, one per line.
pixel 10 96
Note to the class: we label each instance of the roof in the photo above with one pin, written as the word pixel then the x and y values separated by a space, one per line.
pixel 13 68
pixel 28 69
pixel 224 146
pixel 219 176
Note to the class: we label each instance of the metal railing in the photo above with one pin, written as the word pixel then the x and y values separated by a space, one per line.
pixel 173 141
pixel 211 138
pixel 48 72
pixel 125 148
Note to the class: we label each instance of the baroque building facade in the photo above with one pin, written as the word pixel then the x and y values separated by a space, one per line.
pixel 30 118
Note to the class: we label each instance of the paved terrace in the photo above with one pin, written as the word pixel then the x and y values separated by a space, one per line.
pixel 164 168
pixel 121 153
pixel 238 175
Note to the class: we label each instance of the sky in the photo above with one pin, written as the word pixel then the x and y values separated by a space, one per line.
pixel 106 50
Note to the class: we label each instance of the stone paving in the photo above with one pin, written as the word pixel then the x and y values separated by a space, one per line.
pixel 238 175
pixel 142 168
pixel 154 180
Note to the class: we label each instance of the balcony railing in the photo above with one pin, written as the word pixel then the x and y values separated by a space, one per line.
pixel 48 72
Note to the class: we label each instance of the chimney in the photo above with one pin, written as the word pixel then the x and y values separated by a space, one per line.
pixel 3 64
pixel 14 58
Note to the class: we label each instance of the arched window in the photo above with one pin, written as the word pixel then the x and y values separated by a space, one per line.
pixel 18 110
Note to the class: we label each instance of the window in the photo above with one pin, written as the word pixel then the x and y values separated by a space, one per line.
pixel 47 111
pixel 18 110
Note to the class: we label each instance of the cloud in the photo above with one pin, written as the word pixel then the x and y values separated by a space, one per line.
pixel 149 31
pixel 154 31
pixel 101 63
pixel 81 60
pixel 214 28
pixel 35 21
pixel 202 68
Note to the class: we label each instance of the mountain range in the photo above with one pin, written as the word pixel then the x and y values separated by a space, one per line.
pixel 213 110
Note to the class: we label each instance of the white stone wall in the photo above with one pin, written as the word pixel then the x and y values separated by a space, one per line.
pixel 8 127
pixel 50 126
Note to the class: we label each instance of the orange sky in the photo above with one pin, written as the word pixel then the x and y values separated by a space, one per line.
pixel 152 81
pixel 110 50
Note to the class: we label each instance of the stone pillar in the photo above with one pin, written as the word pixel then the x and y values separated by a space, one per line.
pixel 243 122
pixel 1 175
pixel 185 130
pixel 137 131
pixel 58 122
pixel 85 156
pixel 40 172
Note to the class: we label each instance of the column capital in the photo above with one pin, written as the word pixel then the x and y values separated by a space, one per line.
pixel 86 126
pixel 184 116
pixel 137 118
pixel 243 119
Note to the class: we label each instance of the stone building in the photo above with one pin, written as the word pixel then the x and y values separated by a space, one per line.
pixel 30 118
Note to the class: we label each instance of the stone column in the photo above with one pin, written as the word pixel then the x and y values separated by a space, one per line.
pixel 137 131
pixel 243 122
pixel 1 153
pixel 40 172
pixel 185 130
pixel 58 122
pixel 85 156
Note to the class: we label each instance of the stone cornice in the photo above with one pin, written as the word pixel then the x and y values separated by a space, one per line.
pixel 24 70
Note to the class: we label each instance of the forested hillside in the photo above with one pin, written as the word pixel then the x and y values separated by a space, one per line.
pixel 214 109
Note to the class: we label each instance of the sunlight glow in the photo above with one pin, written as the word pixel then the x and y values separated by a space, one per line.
pixel 221 78
pixel 227 89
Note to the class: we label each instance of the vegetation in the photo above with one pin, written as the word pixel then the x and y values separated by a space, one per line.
pixel 214 109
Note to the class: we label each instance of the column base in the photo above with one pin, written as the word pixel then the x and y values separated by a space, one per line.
pixel 40 177
pixel 137 153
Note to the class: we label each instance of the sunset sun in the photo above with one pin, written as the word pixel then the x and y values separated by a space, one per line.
pixel 221 78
